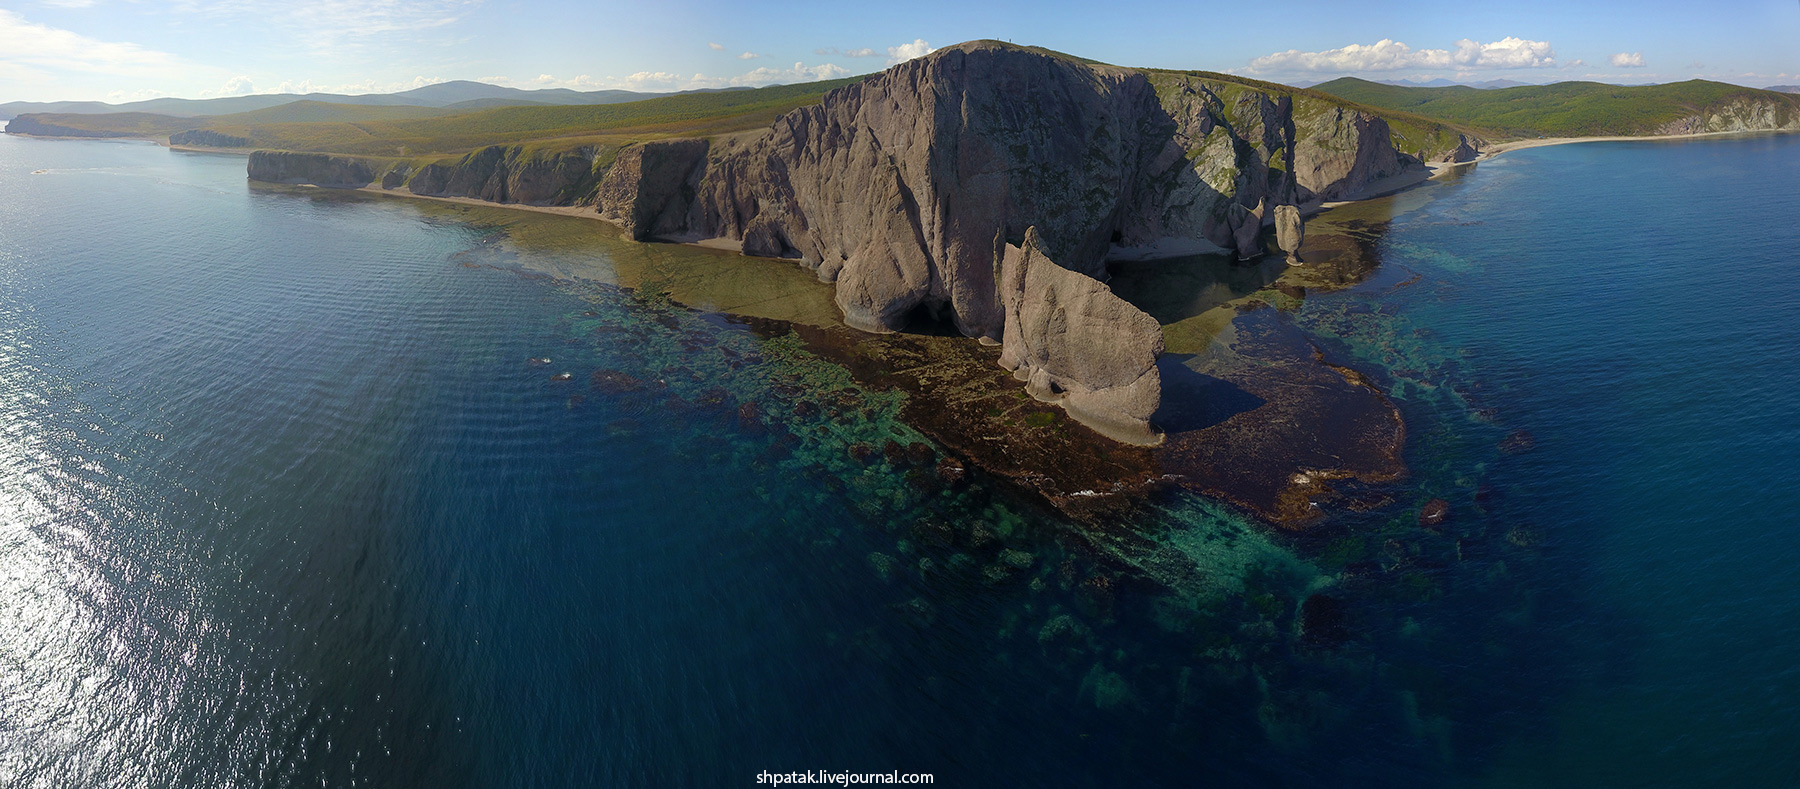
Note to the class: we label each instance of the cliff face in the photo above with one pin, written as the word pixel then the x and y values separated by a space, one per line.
pixel 207 138
pixel 985 184
pixel 894 188
pixel 1737 116
pixel 1074 342
pixel 650 188
pixel 318 169
pixel 509 174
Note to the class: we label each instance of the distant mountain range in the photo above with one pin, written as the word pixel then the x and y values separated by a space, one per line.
pixel 460 94
pixel 1440 82
pixel 1784 88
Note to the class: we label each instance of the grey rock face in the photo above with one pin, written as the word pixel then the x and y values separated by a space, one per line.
pixel 1466 150
pixel 396 178
pixel 318 169
pixel 206 138
pixel 510 174
pixel 650 187
pixel 1076 343
pixel 1290 231
pixel 894 188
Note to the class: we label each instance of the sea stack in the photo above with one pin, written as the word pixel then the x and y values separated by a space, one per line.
pixel 1076 343
pixel 1290 230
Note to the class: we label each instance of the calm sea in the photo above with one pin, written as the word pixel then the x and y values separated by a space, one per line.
pixel 294 492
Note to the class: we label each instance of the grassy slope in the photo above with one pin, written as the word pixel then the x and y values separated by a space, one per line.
pixel 413 131
pixel 1565 109
pixel 1412 132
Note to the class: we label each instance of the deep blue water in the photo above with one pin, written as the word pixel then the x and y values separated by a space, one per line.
pixel 285 502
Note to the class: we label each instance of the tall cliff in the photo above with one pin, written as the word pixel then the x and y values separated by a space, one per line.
pixel 318 169
pixel 985 184
pixel 893 188
pixel 508 174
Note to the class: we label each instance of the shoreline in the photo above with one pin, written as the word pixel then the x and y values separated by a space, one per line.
pixel 1499 148
pixel 1384 188
pixel 1318 436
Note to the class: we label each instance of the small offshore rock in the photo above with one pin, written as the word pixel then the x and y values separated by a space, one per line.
pixel 749 417
pixel 614 382
pixel 1435 513
pixel 951 471
pixel 1518 442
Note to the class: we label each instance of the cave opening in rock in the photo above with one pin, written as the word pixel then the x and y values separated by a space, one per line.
pixel 932 319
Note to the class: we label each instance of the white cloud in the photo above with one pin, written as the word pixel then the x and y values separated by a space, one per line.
pixel 236 86
pixel 862 52
pixel 799 73
pixel 1390 55
pixel 1509 52
pixel 749 56
pixel 68 3
pixel 1627 60
pixel 905 52
pixel 24 44
pixel 653 81
pixel 715 46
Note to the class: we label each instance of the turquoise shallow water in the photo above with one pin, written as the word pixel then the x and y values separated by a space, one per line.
pixel 286 502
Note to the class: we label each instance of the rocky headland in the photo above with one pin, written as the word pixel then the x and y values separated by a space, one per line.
pixel 984 188
pixel 907 191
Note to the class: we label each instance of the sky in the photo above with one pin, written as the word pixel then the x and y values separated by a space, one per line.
pixel 127 50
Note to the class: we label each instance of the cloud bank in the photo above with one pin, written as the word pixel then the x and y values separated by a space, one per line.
pixel 1390 55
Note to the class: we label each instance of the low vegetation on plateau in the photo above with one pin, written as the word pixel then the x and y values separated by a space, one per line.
pixel 1565 109
pixel 410 132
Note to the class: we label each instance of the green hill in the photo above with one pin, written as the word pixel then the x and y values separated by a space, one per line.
pixel 309 111
pixel 1569 109
pixel 415 131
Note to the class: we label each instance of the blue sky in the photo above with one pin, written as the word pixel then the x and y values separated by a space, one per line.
pixel 122 50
